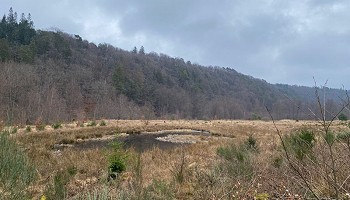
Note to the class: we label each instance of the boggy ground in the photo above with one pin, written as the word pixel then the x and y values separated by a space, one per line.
pixel 194 163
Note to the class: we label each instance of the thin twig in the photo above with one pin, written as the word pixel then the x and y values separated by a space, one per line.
pixel 288 157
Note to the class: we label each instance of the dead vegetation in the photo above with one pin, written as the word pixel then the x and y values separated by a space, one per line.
pixel 241 159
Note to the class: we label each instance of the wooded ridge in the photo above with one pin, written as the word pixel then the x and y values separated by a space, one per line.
pixel 51 76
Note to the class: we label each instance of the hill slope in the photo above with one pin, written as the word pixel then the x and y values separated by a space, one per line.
pixel 53 76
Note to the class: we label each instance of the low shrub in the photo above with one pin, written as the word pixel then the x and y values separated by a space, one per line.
pixel 28 129
pixel 255 117
pixel 56 125
pixel 117 165
pixel 92 123
pixel 117 160
pixel 16 173
pixel 72 170
pixel 237 160
pixel 319 160
pixel 251 143
pixel 103 123
pixel 277 161
pixel 342 117
pixel 300 143
pixel 231 177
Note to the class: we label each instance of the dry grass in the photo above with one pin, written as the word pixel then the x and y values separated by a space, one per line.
pixel 92 165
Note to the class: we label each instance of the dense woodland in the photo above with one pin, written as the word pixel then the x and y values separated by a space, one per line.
pixel 50 76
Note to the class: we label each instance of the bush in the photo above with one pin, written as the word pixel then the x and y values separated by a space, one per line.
pixel 319 161
pixel 117 160
pixel 301 143
pixel 28 129
pixel 237 160
pixel 117 165
pixel 72 170
pixel 92 123
pixel 255 117
pixel 231 177
pixel 342 117
pixel 277 161
pixel 251 143
pixel 56 126
pixel 103 123
pixel 16 173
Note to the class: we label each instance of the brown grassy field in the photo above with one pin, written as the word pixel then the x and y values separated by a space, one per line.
pixel 186 171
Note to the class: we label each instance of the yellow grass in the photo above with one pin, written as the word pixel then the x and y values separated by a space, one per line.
pixel 92 165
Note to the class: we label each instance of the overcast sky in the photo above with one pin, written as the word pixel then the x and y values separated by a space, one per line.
pixel 281 41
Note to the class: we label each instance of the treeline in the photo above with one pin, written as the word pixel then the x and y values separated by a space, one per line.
pixel 16 38
pixel 53 76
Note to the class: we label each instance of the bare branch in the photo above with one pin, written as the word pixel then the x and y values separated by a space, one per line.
pixel 300 174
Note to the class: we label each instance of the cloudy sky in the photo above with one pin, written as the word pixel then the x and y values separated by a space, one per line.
pixel 281 41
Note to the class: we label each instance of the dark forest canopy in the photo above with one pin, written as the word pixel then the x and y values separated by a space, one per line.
pixel 52 76
pixel 16 37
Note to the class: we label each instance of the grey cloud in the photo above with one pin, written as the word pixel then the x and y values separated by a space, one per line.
pixel 319 51
pixel 279 41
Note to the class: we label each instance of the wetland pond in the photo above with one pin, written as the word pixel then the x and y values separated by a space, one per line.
pixel 166 139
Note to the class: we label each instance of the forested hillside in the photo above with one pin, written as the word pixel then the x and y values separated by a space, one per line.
pixel 49 76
